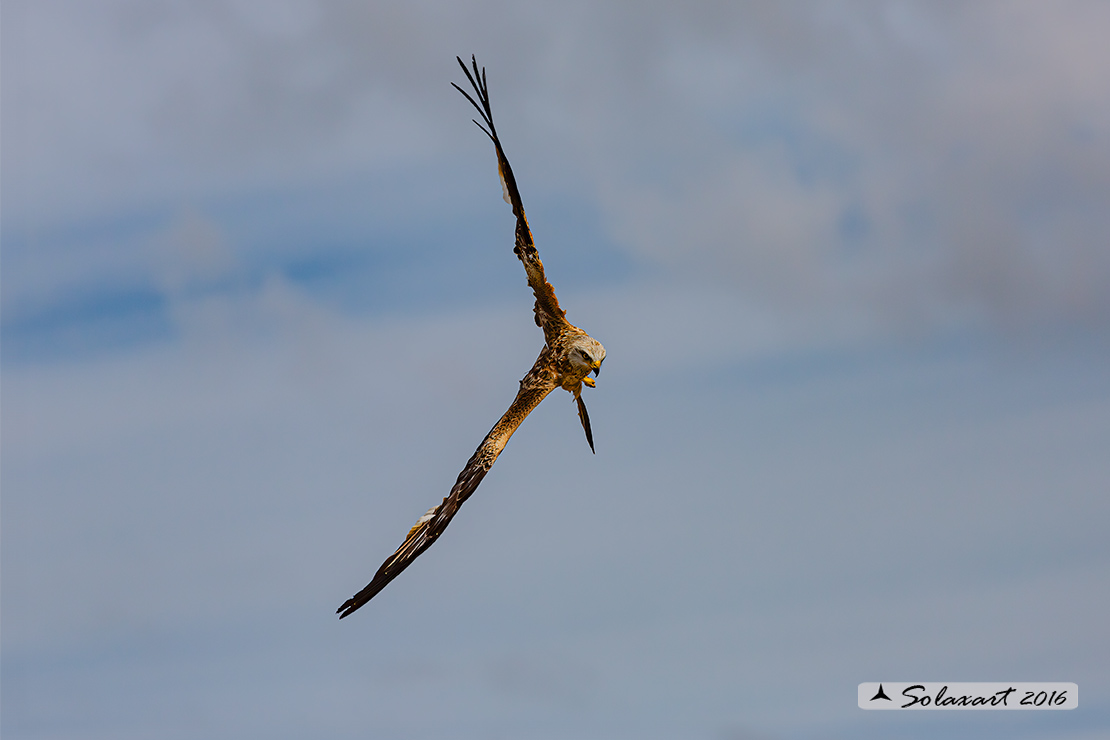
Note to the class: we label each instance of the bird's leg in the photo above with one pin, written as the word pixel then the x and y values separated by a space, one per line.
pixel 590 382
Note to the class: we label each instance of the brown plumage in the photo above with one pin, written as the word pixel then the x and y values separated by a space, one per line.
pixel 567 358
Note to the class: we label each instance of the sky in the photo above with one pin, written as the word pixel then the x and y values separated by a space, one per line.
pixel 258 305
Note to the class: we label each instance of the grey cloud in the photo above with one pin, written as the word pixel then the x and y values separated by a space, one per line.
pixel 780 503
pixel 908 163
pixel 959 143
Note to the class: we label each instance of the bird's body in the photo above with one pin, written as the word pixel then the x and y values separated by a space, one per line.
pixel 568 356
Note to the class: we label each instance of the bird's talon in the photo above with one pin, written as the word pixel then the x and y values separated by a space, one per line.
pixel 590 382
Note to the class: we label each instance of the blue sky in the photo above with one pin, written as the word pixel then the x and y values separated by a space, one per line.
pixel 259 305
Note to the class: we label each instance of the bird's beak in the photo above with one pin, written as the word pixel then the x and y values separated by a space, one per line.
pixel 596 367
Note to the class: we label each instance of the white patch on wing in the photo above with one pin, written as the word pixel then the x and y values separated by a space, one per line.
pixel 504 185
pixel 422 521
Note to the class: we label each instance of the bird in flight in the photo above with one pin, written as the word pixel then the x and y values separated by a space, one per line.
pixel 568 356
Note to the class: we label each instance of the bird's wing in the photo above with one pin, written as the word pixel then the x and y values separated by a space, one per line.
pixel 534 388
pixel 549 316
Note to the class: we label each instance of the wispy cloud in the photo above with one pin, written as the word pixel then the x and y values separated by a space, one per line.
pixel 259 306
pixel 912 165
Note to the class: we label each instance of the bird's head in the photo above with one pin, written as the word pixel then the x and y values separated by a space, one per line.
pixel 586 355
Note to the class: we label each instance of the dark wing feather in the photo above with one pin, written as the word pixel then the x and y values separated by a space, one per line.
pixel 533 389
pixel 585 418
pixel 549 316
